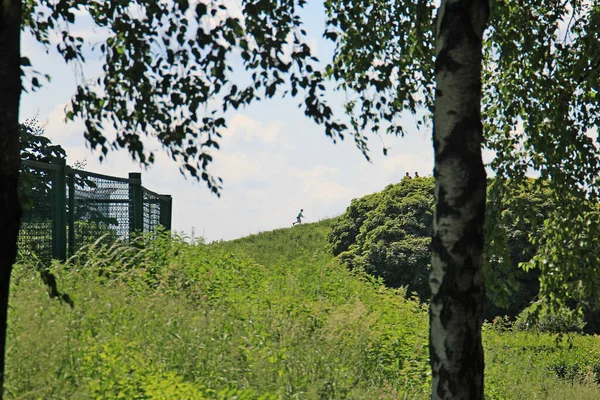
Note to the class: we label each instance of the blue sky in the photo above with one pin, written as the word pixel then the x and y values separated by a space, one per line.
pixel 273 160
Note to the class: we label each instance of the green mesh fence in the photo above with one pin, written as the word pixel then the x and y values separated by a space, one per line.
pixel 38 202
pixel 100 207
pixel 151 209
pixel 65 208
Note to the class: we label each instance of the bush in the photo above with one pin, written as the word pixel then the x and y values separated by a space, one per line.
pixel 542 319
pixel 166 319
pixel 388 235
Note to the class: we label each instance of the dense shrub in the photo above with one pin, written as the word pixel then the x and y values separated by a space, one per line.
pixel 388 235
pixel 532 365
pixel 515 214
pixel 542 319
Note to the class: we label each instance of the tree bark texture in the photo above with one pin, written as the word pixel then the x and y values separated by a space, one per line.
pixel 10 209
pixel 456 279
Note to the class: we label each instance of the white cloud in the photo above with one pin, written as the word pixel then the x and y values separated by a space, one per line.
pixel 313 44
pixel 318 171
pixel 324 190
pixel 242 128
pixel 488 156
pixel 59 130
pixel 593 134
pixel 237 166
pixel 320 183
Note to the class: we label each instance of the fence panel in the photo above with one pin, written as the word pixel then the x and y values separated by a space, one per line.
pixel 100 207
pixel 157 210
pixel 65 208
pixel 38 202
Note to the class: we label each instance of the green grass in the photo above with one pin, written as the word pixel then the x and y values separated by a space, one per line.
pixel 299 246
pixel 217 323
pixel 529 365
pixel 269 316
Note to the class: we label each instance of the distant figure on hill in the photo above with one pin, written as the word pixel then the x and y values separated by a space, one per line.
pixel 299 217
pixel 416 174
pixel 407 176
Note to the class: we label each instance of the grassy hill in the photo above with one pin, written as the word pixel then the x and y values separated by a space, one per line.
pixel 297 246
pixel 268 316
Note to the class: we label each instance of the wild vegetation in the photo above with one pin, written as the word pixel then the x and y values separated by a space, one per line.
pixel 388 235
pixel 269 316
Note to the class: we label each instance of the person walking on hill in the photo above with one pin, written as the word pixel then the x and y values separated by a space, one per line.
pixel 407 176
pixel 416 174
pixel 299 217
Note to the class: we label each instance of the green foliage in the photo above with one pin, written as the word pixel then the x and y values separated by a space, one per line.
pixel 515 218
pixel 545 86
pixel 561 231
pixel 305 244
pixel 528 365
pixel 117 370
pixel 538 74
pixel 208 321
pixel 541 111
pixel 569 244
pixel 35 146
pixel 385 55
pixel 388 235
pixel 170 61
pixel 543 319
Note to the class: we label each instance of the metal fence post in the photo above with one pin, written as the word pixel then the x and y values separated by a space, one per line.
pixel 71 215
pixel 59 245
pixel 136 203
pixel 166 207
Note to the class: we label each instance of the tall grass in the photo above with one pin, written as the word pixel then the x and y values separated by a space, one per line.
pixel 164 319
pixel 530 365
pixel 270 316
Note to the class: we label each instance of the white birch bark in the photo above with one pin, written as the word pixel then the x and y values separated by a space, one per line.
pixel 456 279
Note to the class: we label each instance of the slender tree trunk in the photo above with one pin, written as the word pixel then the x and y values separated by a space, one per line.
pixel 10 210
pixel 460 188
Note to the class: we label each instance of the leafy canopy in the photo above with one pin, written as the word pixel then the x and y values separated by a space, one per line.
pixel 540 107
pixel 169 71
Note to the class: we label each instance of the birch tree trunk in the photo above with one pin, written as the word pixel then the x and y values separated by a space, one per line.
pixel 10 210
pixel 460 190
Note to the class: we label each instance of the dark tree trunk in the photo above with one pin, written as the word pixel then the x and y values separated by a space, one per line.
pixel 460 188
pixel 10 209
